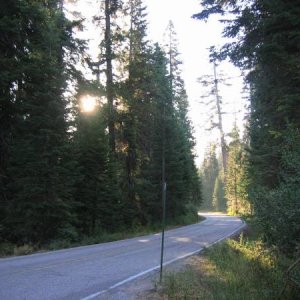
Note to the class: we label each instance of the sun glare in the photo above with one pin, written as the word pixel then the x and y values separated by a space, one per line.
pixel 88 103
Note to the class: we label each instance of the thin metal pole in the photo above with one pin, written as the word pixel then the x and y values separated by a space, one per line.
pixel 163 232
pixel 164 190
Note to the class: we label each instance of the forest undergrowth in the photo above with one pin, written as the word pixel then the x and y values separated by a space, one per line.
pixel 240 268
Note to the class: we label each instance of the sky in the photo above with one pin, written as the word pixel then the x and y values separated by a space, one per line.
pixel 194 38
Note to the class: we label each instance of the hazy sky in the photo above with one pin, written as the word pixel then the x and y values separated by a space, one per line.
pixel 194 39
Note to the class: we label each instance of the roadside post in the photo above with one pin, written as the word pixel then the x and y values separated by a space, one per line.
pixel 164 190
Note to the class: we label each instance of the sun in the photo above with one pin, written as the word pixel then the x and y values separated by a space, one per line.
pixel 88 103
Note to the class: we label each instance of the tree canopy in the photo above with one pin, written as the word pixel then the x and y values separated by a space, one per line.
pixel 265 44
pixel 66 173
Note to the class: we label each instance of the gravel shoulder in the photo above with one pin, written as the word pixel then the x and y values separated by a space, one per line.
pixel 146 287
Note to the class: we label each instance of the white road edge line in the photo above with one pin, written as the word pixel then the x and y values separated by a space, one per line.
pixel 92 296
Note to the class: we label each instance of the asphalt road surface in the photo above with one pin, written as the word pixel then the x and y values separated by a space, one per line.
pixel 87 272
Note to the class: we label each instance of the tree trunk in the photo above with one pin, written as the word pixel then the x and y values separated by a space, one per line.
pixel 109 77
pixel 220 122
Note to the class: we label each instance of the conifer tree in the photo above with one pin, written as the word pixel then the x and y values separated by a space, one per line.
pixel 218 198
pixel 97 192
pixel 213 101
pixel 10 71
pixel 236 180
pixel 159 100
pixel 267 48
pixel 40 201
pixel 110 35
pixel 110 7
pixel 182 167
pixel 179 95
pixel 135 102
pixel 209 175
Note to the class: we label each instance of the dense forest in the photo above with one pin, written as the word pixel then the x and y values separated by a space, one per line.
pixel 263 169
pixel 66 173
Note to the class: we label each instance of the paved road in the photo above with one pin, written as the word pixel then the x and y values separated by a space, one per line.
pixel 86 272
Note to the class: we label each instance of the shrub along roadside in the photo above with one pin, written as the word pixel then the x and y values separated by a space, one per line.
pixel 234 269
pixel 9 249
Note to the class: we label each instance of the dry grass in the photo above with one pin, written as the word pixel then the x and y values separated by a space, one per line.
pixel 233 270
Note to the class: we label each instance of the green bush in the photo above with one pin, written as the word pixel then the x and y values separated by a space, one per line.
pixel 278 210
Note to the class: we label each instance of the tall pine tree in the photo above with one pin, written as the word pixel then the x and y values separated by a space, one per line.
pixel 267 47
pixel 236 176
pixel 39 199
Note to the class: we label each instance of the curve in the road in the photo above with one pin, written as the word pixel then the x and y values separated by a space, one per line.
pixel 89 271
